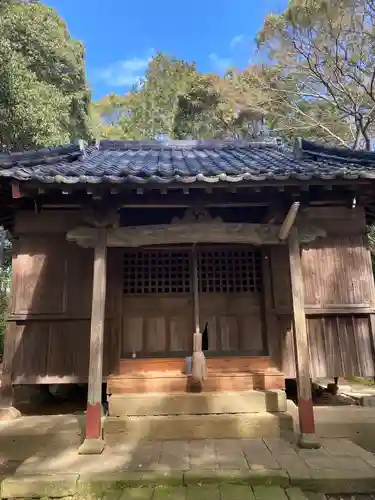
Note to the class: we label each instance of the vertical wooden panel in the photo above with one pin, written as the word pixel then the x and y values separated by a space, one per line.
pixel 365 351
pixel 79 280
pixel 180 333
pixel 39 276
pixel 338 271
pixel 287 346
pixel 225 333
pixel 281 277
pixel 69 347
pixel 12 338
pixel 213 340
pixel 31 358
pixel 270 334
pixel 156 334
pixel 318 359
pixel 251 339
pixel 332 345
pixel 349 349
pixel 132 336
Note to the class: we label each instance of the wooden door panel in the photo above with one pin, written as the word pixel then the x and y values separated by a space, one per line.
pixel 157 325
pixel 234 323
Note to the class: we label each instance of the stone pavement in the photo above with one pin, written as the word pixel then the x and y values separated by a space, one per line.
pixel 56 470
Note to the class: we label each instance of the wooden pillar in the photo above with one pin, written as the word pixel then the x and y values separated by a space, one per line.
pixel 199 368
pixel 94 443
pixel 307 437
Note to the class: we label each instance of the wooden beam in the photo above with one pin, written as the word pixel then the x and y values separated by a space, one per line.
pixel 301 348
pixel 289 221
pixel 94 443
pixel 180 232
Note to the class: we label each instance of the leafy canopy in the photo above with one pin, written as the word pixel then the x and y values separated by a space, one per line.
pixel 44 97
pixel 174 100
pixel 321 56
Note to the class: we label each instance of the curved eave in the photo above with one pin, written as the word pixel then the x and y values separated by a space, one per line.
pixel 85 180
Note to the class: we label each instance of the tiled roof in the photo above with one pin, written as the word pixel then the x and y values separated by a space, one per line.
pixel 186 162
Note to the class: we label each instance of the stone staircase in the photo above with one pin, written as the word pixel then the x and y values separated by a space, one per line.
pixel 205 415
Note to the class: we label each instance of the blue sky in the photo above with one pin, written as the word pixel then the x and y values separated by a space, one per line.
pixel 121 35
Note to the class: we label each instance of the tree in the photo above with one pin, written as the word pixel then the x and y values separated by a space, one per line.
pixel 321 72
pixel 173 100
pixel 44 97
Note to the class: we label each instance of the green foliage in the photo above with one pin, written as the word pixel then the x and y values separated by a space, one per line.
pixel 319 82
pixel 173 100
pixel 43 93
pixel 322 54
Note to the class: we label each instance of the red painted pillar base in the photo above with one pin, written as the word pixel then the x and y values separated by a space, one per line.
pixel 307 438
pixel 93 443
pixel 94 421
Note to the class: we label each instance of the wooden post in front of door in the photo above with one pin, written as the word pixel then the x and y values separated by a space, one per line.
pixel 94 443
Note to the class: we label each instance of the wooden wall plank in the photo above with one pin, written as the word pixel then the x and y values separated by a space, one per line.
pixel 364 345
pixel 69 347
pixel 180 334
pixel 339 346
pixel 31 356
pixel 229 335
pixel 251 339
pixel 338 271
pixel 348 345
pixel 79 279
pixel 282 297
pixel 213 340
pixel 318 360
pixel 132 336
pixel 39 277
pixel 156 334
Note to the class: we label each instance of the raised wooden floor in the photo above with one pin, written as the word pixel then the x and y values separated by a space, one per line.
pixel 238 373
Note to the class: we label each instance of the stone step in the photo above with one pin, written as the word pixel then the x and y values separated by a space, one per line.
pixel 153 404
pixel 189 427
pixel 173 381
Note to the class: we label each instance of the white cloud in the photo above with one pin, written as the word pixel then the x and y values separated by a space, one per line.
pixel 236 40
pixel 220 64
pixel 125 73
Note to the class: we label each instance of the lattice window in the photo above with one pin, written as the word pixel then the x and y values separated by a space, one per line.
pixel 229 271
pixel 159 271
pixel 169 271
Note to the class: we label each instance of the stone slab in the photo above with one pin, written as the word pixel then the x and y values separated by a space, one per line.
pixel 236 492
pixel 39 486
pixel 336 481
pixel 203 492
pixel 170 493
pixel 367 400
pixel 245 476
pixel 100 483
pixel 295 494
pixel 258 455
pixel 188 427
pixel 269 493
pixel 133 494
pixel 148 404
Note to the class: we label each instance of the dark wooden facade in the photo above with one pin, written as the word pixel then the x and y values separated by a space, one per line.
pixel 49 321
